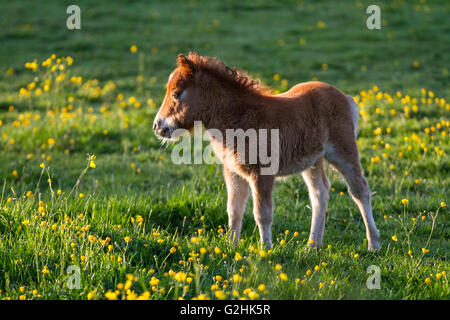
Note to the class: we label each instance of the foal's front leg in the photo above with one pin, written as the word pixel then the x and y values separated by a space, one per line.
pixel 318 189
pixel 237 189
pixel 262 207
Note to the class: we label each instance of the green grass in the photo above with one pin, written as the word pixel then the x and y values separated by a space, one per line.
pixel 135 176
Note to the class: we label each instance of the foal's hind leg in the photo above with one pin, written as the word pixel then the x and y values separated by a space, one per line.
pixel 319 190
pixel 238 191
pixel 345 159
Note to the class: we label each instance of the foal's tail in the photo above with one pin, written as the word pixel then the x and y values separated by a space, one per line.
pixel 354 113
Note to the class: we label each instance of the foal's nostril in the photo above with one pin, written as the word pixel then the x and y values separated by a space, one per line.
pixel 164 131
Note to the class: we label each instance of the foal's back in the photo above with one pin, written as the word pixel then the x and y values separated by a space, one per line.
pixel 312 116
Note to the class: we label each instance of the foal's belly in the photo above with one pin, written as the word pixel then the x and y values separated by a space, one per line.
pixel 299 165
pixel 287 168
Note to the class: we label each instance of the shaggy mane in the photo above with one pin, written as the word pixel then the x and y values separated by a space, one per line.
pixel 234 76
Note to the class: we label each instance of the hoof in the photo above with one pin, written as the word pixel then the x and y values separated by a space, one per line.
pixel 374 246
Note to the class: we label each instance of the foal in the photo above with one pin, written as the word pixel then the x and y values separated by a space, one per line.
pixel 315 122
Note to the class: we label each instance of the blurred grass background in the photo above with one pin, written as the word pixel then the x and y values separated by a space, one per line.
pixel 291 38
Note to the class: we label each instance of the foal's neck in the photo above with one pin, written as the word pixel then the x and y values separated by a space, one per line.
pixel 233 109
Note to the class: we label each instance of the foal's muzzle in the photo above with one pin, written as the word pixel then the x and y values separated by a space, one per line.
pixel 163 128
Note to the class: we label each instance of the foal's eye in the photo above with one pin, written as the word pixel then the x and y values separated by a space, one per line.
pixel 176 94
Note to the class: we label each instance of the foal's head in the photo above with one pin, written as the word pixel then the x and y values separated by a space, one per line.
pixel 197 89
pixel 182 103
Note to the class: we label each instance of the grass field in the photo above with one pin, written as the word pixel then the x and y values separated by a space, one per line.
pixel 139 226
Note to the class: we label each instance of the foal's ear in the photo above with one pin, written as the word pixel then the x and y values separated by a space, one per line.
pixel 186 64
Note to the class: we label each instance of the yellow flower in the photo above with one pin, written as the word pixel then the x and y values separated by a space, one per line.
pixel 214 287
pixel 321 284
pixel 317 268
pixel 308 272
pixel 22 289
pixel 237 257
pixel 220 294
pixel 133 49
pixel 262 287
pixel 425 250
pixel 394 238
pixel 283 276
pixel 81 195
pixel 154 281
pixel 45 270
pixel 253 295
pixel 127 239
pixel 405 201
pixel 90 295
pixel 237 278
pixel 321 25
pixel 443 205
pixel 427 280
pixel 172 250
pixel 180 276
pixel 42 165
pixel 92 164
pixel 111 295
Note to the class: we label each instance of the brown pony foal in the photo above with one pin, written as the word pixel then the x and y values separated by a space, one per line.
pixel 315 122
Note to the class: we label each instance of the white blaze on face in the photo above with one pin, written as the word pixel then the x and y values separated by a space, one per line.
pixel 170 76
pixel 166 126
pixel 162 104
